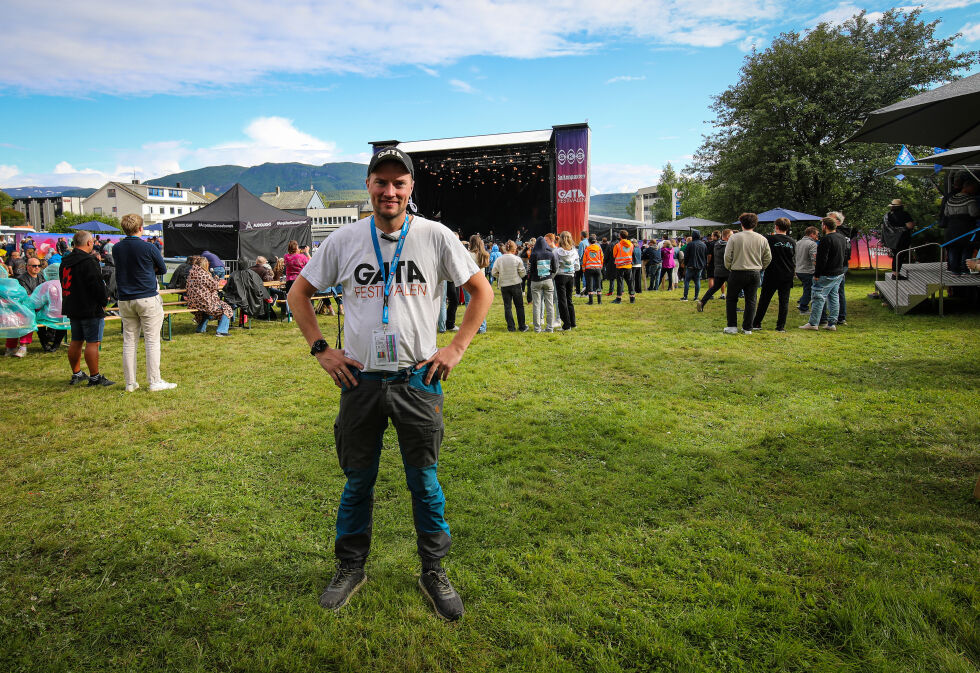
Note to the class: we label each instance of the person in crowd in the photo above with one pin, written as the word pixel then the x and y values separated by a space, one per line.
pixel 592 260
pixel 719 272
pixel 960 215
pixel 896 231
pixel 61 246
pixel 654 262
pixel 26 243
pixel 609 270
pixel 778 278
pixel 83 300
pixel 178 279
pixel 262 268
pixel 583 243
pixel 806 259
pixel 709 265
pixel 637 270
pixel 494 256
pixel 481 257
pixel 623 259
pixel 568 264
pixel 510 272
pixel 215 264
pixel 696 255
pixel 202 296
pixel 667 271
pixel 108 247
pixel 138 263
pixel 543 267
pixel 52 325
pixel 400 379
pixel 294 262
pixel 18 264
pixel 827 275
pixel 679 257
pixel 746 255
pixel 841 299
pixel 31 277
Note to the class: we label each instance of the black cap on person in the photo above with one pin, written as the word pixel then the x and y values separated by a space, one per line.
pixel 391 154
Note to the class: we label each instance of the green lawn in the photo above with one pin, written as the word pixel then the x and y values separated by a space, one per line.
pixel 643 493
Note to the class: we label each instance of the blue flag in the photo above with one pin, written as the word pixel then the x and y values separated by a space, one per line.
pixel 938 150
pixel 905 158
pixel 900 176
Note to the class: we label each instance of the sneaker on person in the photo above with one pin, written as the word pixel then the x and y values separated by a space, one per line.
pixel 781 329
pixel 445 601
pixel 722 296
pixel 21 351
pixel 617 300
pixel 221 334
pixel 746 331
pixel 9 352
pixel 730 330
pixel 132 387
pixel 455 329
pixel 700 306
pixel 345 583
pixel 99 380
pixel 683 298
pixel 809 326
pixel 831 328
pixel 77 377
pixel 841 322
pixel 632 299
pixel 161 385
pixel 523 329
pixel 756 327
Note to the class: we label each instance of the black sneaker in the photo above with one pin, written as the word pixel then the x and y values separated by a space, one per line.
pixel 524 329
pixel 345 583
pixel 99 380
pixel 841 322
pixel 617 300
pixel 632 300
pixel 445 601
pixel 77 378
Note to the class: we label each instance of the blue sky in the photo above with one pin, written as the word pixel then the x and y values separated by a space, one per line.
pixel 96 91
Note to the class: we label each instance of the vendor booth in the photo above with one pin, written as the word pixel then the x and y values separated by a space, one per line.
pixel 236 226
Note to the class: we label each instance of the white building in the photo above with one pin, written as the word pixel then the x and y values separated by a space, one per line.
pixel 645 198
pixel 41 212
pixel 154 203
pixel 308 202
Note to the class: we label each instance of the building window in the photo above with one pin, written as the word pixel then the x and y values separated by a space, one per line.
pixel 155 191
pixel 180 211
pixel 96 211
pixel 111 193
pixel 171 210
pixel 176 193
pixel 113 209
pixel 161 210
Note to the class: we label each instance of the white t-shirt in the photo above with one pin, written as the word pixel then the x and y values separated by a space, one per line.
pixel 431 254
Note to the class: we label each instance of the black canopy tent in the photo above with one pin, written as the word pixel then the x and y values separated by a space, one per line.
pixel 236 226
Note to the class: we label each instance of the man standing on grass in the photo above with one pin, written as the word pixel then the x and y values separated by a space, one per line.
pixel 391 267
pixel 580 274
pixel 827 276
pixel 806 259
pixel 779 275
pixel 696 255
pixel 83 300
pixel 746 255
pixel 622 254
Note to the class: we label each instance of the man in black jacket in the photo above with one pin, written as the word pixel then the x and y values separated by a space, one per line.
pixel 84 297
pixel 695 259
pixel 779 275
pixel 827 276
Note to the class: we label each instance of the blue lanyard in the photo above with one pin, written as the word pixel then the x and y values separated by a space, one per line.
pixel 390 275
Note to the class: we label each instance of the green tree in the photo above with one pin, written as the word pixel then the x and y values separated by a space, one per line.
pixel 12 218
pixel 6 200
pixel 668 181
pixel 631 207
pixel 63 224
pixel 782 127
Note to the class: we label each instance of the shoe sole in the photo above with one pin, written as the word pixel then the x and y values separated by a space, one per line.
pixel 432 602
pixel 347 600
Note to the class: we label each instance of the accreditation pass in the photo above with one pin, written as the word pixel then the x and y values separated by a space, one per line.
pixel 385 351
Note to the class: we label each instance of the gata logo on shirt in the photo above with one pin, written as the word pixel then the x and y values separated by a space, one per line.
pixel 409 281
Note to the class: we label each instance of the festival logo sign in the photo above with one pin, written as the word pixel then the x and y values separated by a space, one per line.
pixel 572 179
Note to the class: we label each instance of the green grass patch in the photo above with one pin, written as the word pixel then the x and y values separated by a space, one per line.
pixel 642 493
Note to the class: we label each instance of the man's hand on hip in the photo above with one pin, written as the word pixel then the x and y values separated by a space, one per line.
pixel 335 363
pixel 443 362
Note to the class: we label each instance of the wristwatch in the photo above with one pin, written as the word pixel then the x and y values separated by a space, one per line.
pixel 318 346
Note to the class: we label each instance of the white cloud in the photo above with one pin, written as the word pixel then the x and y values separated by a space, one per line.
pixel 460 85
pixel 626 78
pixel 842 12
pixel 117 47
pixel 971 32
pixel 266 139
pixel 428 71
pixel 609 178
pixel 935 5
pixel 751 42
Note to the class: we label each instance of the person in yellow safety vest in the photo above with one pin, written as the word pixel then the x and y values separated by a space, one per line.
pixel 623 257
pixel 592 260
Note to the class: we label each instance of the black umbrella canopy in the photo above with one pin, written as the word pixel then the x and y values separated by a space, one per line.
pixel 961 156
pixel 948 116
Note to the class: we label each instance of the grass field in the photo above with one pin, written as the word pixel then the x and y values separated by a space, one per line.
pixel 643 493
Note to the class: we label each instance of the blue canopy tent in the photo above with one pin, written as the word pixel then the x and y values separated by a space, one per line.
pixel 153 227
pixel 791 215
pixel 94 225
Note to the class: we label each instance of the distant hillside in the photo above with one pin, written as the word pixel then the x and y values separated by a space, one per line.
pixel 32 192
pixel 328 178
pixel 610 205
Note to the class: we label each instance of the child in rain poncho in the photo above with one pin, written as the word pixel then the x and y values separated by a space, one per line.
pixel 17 321
pixel 52 326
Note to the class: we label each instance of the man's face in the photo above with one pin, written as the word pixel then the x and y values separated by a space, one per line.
pixel 390 186
pixel 33 267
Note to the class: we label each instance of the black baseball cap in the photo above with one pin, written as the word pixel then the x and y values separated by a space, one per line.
pixel 391 154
